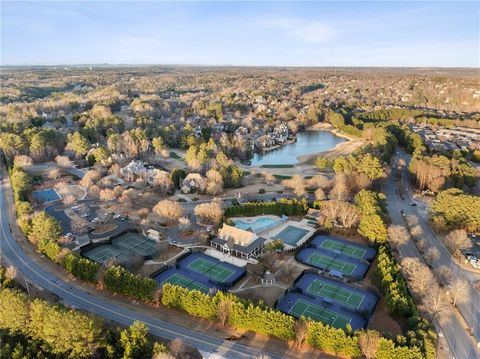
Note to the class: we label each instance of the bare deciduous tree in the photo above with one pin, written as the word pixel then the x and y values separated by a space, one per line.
pixel 348 214
pixel 459 291
pixel 184 224
pixel 457 240
pixel 418 275
pixel 296 184
pixel 269 178
pixel 340 190
pixel 432 255
pixel 223 311
pixel 63 161
pixel 177 347
pixel 445 273
pixel 22 161
pixel 54 174
pixel 301 330
pixel 11 272
pixel 163 182
pixel 90 178
pixel 209 212
pixel 369 341
pixel 169 210
pixel 434 302
pixel 68 200
pixel 320 194
pixel 214 182
pixel 398 235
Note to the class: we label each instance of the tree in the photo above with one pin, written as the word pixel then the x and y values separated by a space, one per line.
pixel 418 275
pixel 459 291
pixel 184 224
pixel 44 228
pixel 214 182
pixel 163 182
pixel 91 177
pixel 177 347
pixel 169 210
pixel 209 212
pixel 301 331
pixel 398 235
pixel 373 228
pixel 223 310
pixel 68 200
pixel 320 194
pixel 135 342
pixel 296 183
pixel 347 214
pixel 176 176
pixel 63 161
pixel 457 240
pixel 432 255
pixel 21 161
pixel 369 341
pixel 322 163
pixel 433 302
pixel 340 190
pixel 78 144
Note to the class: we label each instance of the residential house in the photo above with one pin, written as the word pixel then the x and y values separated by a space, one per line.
pixel 194 183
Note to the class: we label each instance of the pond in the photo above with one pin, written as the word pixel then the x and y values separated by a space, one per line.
pixel 308 142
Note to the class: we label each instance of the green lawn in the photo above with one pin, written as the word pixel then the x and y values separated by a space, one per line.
pixel 278 166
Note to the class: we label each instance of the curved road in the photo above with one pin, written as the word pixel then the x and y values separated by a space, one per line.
pixel 461 343
pixel 81 299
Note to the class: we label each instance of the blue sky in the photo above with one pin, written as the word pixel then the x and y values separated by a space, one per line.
pixel 296 33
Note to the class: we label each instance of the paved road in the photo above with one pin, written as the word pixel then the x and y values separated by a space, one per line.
pixel 459 340
pixel 79 298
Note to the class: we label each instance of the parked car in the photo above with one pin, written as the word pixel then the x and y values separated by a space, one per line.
pixel 117 216
pixel 413 204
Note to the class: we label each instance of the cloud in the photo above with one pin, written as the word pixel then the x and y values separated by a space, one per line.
pixel 307 31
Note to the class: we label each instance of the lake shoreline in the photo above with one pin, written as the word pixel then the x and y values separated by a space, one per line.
pixel 340 149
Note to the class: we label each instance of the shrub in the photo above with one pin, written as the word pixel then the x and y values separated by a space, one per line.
pixel 120 280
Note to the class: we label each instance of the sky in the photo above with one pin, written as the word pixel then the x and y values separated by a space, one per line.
pixel 321 33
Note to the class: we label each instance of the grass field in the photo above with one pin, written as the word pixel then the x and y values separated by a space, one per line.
pixel 315 312
pixel 329 263
pixel 213 270
pixel 336 293
pixel 178 279
pixel 343 248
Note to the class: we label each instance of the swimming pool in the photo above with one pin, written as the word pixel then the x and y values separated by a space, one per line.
pixel 260 224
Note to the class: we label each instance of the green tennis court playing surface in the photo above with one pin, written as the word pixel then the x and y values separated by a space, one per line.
pixel 335 293
pixel 178 279
pixel 104 252
pixel 136 243
pixel 315 312
pixel 212 270
pixel 329 263
pixel 343 248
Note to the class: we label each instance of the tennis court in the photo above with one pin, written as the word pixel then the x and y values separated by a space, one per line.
pixel 335 293
pixel 46 195
pixel 178 279
pixel 104 252
pixel 343 248
pixel 291 235
pixel 137 244
pixel 326 262
pixel 211 269
pixel 319 313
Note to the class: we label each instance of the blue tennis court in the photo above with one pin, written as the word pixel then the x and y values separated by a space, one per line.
pixel 200 265
pixel 334 263
pixel 184 279
pixel 347 248
pixel 318 309
pixel 46 195
pixel 356 299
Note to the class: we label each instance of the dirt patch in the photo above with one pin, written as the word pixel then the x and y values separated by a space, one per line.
pixel 267 294
pixel 104 228
pixel 382 321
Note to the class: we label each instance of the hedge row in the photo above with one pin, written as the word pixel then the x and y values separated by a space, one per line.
pixel 283 206
pixel 245 315
pixel 119 280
